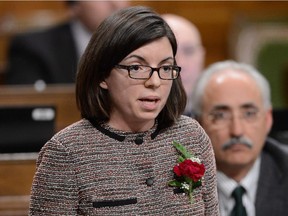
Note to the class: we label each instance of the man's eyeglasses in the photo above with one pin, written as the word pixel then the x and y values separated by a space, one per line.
pixel 224 117
pixel 143 72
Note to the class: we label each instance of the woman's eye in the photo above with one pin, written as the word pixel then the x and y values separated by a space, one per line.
pixel 134 68
pixel 166 68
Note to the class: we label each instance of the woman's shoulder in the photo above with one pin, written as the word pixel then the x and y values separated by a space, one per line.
pixel 74 131
pixel 190 134
pixel 186 126
pixel 75 127
pixel 186 121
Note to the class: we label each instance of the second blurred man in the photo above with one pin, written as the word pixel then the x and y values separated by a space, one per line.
pixel 190 54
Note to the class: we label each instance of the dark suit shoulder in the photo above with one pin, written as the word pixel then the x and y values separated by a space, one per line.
pixel 271 197
pixel 41 37
pixel 48 55
pixel 278 153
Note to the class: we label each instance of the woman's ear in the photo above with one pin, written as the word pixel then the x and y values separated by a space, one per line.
pixel 103 85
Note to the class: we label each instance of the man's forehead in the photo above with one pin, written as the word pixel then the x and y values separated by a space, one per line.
pixel 232 89
pixel 242 106
pixel 230 74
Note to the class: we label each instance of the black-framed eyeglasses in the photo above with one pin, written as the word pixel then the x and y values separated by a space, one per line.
pixel 144 72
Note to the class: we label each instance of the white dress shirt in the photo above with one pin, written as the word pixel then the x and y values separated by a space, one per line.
pixel 81 36
pixel 226 186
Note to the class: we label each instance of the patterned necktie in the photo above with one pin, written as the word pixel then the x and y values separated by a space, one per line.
pixel 239 209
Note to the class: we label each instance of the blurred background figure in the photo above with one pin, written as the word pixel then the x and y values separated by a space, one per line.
pixel 232 102
pixel 51 55
pixel 190 54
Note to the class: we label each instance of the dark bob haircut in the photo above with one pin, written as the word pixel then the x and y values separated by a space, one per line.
pixel 116 37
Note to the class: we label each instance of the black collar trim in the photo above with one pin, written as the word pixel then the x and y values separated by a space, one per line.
pixel 107 132
pixel 155 133
pixel 117 136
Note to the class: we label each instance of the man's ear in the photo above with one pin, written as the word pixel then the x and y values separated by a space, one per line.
pixel 103 85
pixel 269 120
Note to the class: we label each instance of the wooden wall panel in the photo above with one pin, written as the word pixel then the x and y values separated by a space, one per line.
pixel 62 97
pixel 17 170
pixel 213 18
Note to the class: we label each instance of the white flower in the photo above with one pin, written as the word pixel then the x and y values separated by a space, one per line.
pixel 185 186
pixel 195 159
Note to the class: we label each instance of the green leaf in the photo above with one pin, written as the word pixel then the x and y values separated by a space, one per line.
pixel 180 159
pixel 174 183
pixel 197 184
pixel 182 150
pixel 188 180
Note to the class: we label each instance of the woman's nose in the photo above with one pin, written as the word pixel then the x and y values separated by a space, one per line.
pixel 154 80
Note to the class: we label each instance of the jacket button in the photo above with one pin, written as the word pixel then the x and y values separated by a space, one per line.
pixel 150 181
pixel 139 140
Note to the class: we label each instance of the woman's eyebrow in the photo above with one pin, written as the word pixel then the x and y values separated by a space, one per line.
pixel 134 56
pixel 143 59
pixel 167 59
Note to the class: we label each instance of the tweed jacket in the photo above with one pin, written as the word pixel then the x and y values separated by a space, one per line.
pixel 49 55
pixel 92 169
pixel 272 192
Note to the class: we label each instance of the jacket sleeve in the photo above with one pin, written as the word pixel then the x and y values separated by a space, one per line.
pixel 54 189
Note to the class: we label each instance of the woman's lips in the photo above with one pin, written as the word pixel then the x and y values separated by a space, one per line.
pixel 149 103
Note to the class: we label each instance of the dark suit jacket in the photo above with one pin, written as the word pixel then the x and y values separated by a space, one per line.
pixel 272 192
pixel 49 55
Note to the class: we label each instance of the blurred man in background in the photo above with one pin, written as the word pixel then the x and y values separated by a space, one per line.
pixel 232 102
pixel 51 55
pixel 190 54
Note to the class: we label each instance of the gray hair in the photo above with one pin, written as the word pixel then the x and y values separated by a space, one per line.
pixel 206 75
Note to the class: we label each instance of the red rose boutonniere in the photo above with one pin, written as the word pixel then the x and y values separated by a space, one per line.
pixel 189 171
